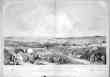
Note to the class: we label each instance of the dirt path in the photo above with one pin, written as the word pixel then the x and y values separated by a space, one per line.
pixel 80 61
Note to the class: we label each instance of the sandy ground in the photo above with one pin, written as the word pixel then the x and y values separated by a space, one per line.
pixel 28 70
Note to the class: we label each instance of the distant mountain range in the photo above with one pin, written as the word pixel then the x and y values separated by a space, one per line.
pixel 43 38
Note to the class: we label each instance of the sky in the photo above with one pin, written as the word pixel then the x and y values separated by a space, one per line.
pixel 54 18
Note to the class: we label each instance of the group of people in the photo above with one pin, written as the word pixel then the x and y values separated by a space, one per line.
pixel 96 56
pixel 17 56
pixel 20 56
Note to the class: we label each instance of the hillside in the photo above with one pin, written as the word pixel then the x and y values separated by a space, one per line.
pixel 71 41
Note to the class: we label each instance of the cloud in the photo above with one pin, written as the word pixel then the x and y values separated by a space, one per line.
pixel 65 21
pixel 103 4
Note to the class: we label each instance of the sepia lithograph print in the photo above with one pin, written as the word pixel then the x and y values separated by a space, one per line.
pixel 55 38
